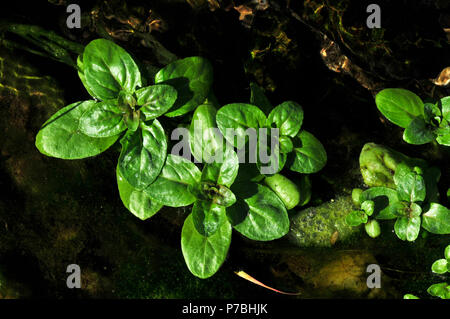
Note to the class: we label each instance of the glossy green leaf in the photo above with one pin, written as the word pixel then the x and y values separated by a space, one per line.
pixel 105 119
pixel 444 103
pixel 407 228
pixel 108 69
pixel 208 217
pixel 286 145
pixel 258 98
pixel 60 136
pixel 265 218
pixel 310 155
pixel 243 119
pixel 143 155
pixel 285 189
pixel 443 137
pixel 447 253
pixel 155 100
pixel 204 255
pixel 192 78
pixel 431 112
pixel 368 206
pixel 437 219
pixel 136 201
pixel 410 185
pixel 399 106
pixel 384 199
pixel 222 172
pixel 205 139
pixel 288 117
pixel 440 266
pixel 356 218
pixel 440 290
pixel 171 186
pixel 418 132
pixel 409 296
pixel 372 228
pixel 81 74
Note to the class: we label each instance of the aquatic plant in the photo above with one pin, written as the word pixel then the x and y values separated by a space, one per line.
pixel 148 177
pixel 423 122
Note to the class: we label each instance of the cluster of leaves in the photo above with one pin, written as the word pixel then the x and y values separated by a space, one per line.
pixel 413 204
pixel 440 267
pixel 423 122
pixel 148 177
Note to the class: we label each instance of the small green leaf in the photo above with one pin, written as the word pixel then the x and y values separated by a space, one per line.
pixel 285 189
pixel 372 228
pixel 409 296
pixel 410 185
pixel 439 290
pixel 444 138
pixel 222 172
pixel 447 253
pixel 286 145
pixel 418 132
pixel 288 117
pixel 384 201
pixel 265 218
pixel 155 100
pixel 440 266
pixel 368 207
pixel 171 186
pixel 356 218
pixel 437 219
pixel 399 106
pixel 208 217
pixel 206 142
pixel 136 201
pixel 356 194
pixel 407 228
pixel 240 120
pixel 143 155
pixel 108 69
pixel 204 255
pixel 431 112
pixel 444 103
pixel 192 78
pixel 60 136
pixel 105 119
pixel 310 155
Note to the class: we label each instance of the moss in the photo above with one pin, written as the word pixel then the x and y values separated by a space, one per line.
pixel 324 225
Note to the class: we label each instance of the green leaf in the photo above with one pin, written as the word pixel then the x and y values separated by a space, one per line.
pixel 447 253
pixel 155 100
pixel 288 117
pixel 81 75
pixel 206 142
pixel 204 255
pixel 239 117
pixel 399 106
pixel 407 228
pixel 222 172
pixel 443 138
pixel 439 290
pixel 258 213
pixel 444 103
pixel 409 296
pixel 171 186
pixel 437 219
pixel 431 112
pixel 105 119
pixel 136 201
pixel 304 185
pixel 286 145
pixel 208 217
pixel 418 132
pixel 310 155
pixel 372 228
pixel 258 98
pixel 368 206
pixel 143 155
pixel 108 69
pixel 60 136
pixel 440 266
pixel 285 189
pixel 384 199
pixel 410 185
pixel 356 218
pixel 192 78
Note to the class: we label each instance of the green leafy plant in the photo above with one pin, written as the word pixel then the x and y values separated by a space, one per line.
pixel 358 217
pixel 411 204
pixel 301 150
pixel 440 267
pixel 423 122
